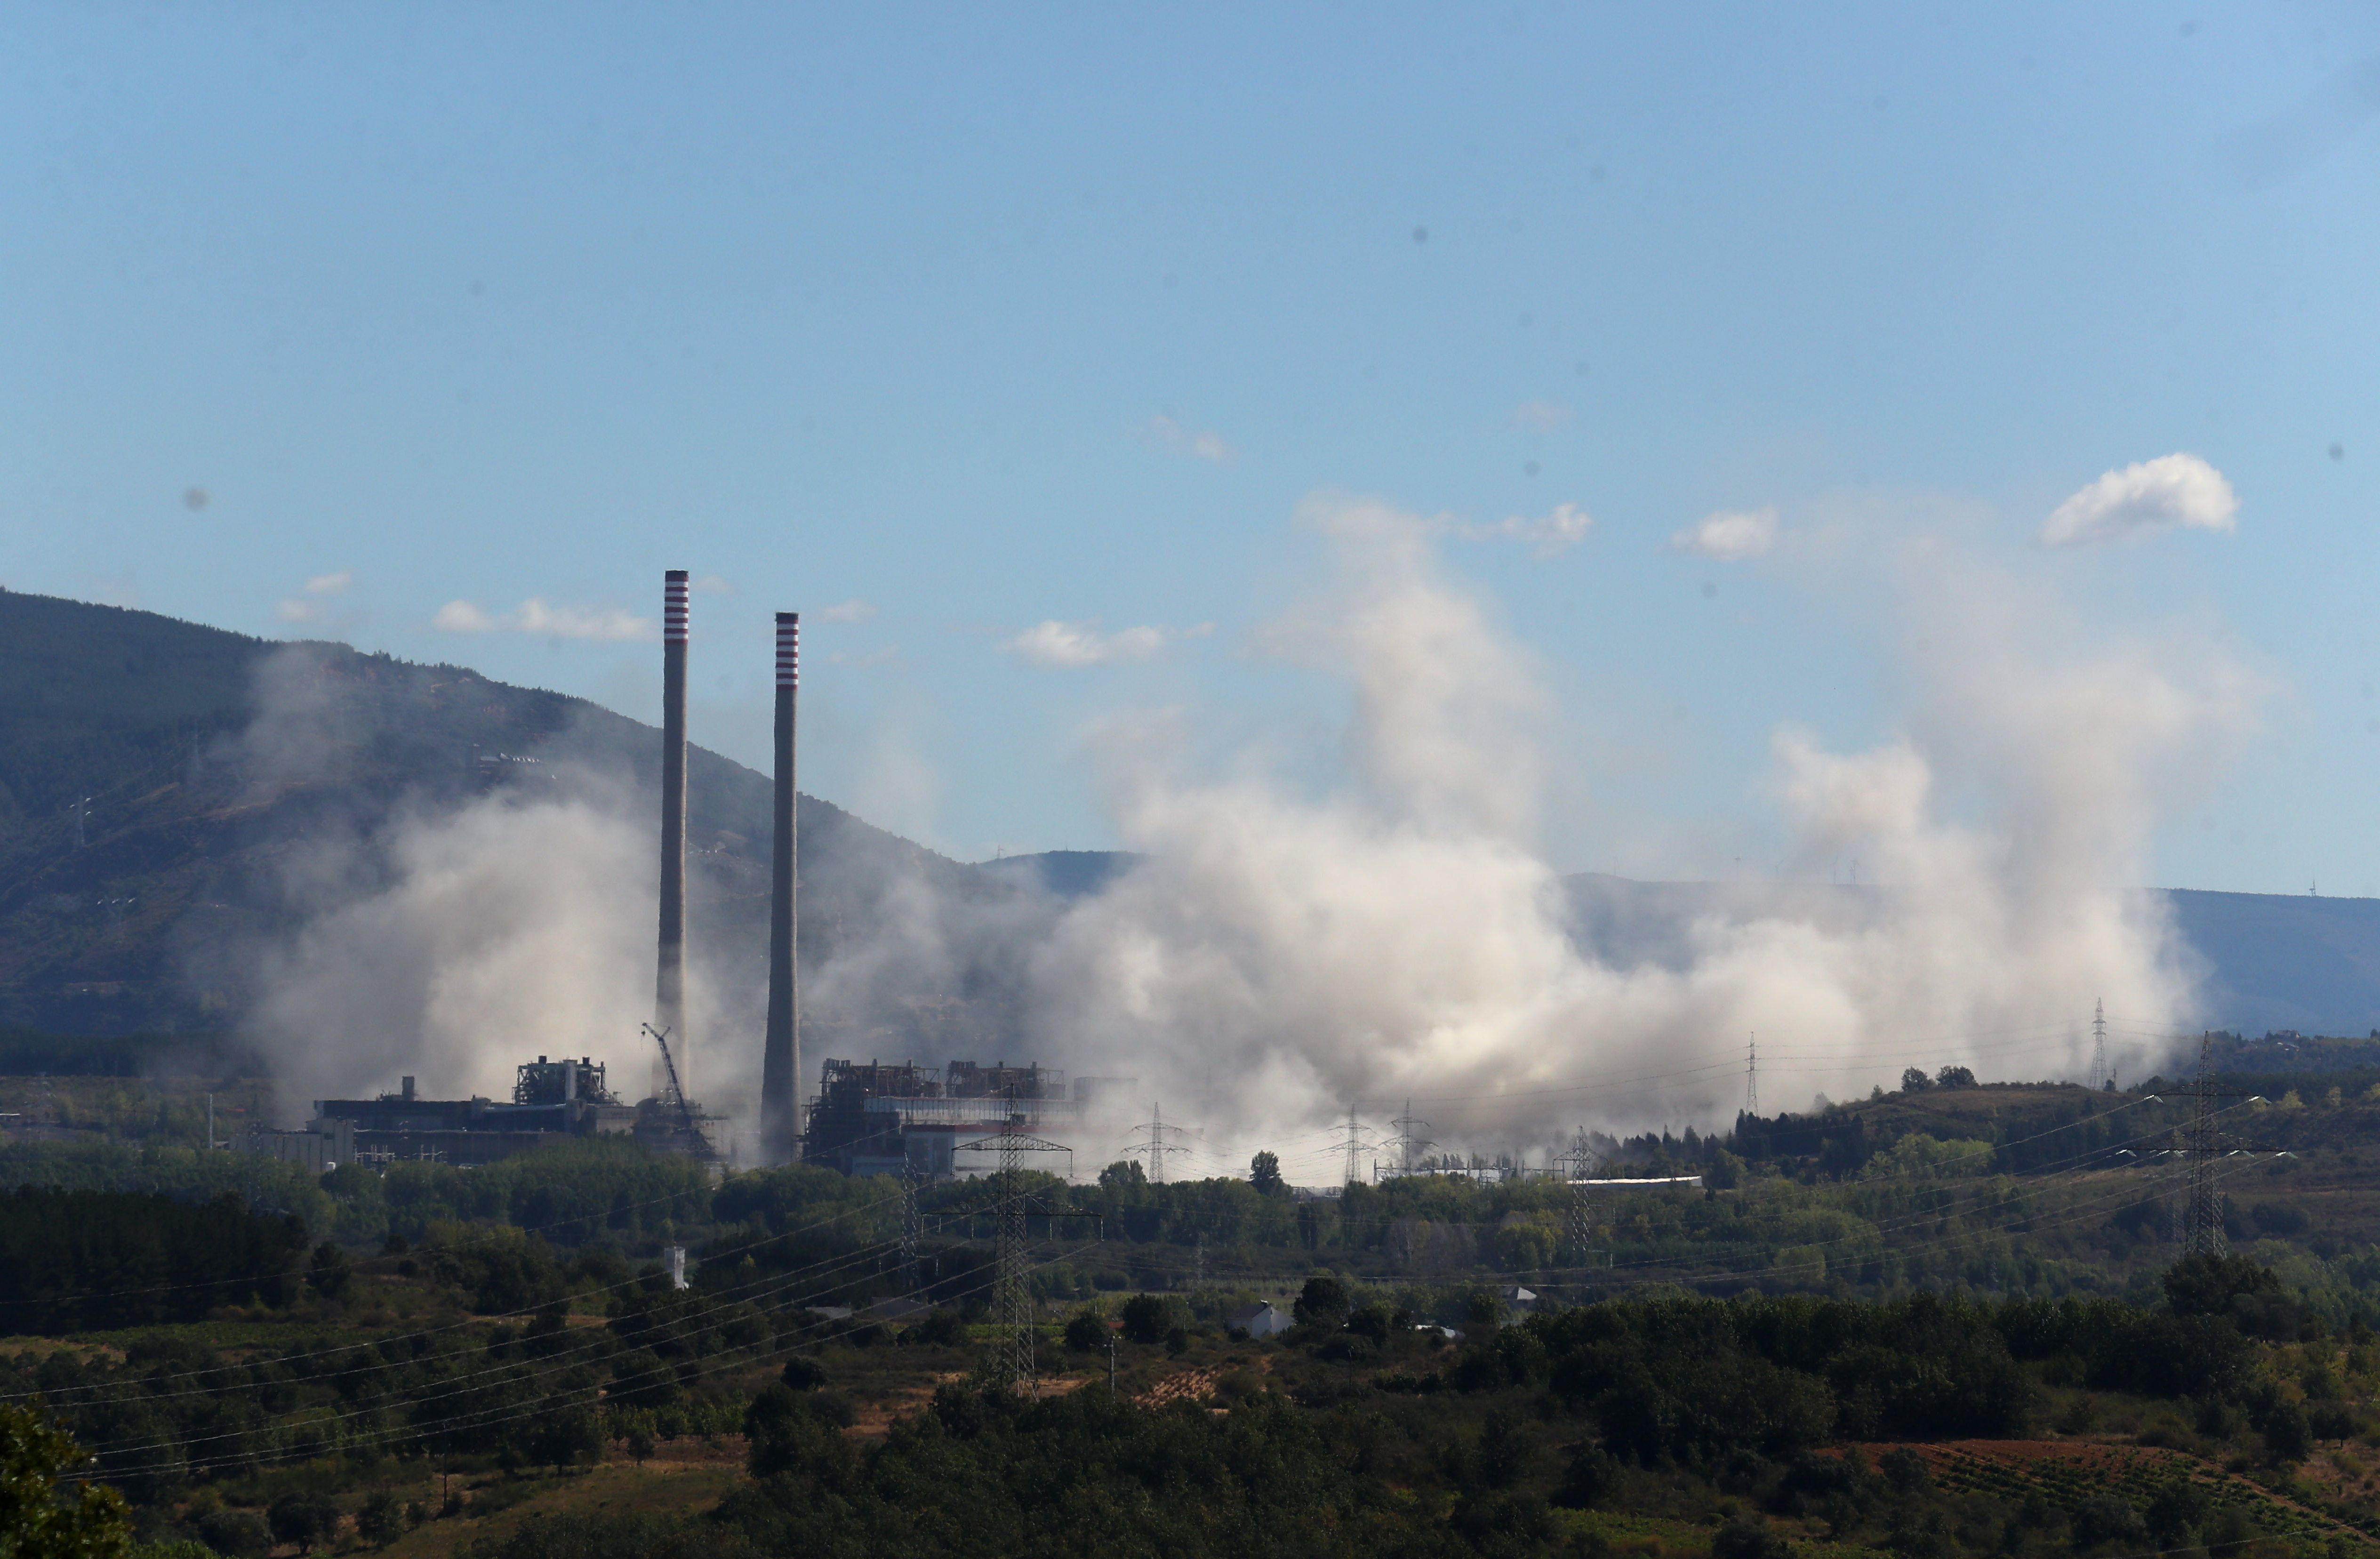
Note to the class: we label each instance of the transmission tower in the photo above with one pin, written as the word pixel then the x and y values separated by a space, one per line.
pixel 1577 1162
pixel 1355 1145
pixel 1409 1143
pixel 2202 1229
pixel 1161 1141
pixel 2100 1077
pixel 1008 1363
pixel 1751 1075
pixel 1013 1308
pixel 913 1228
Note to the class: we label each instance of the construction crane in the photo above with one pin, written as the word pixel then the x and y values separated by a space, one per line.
pixel 675 1100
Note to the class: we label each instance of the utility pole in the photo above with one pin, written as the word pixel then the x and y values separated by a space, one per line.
pixel 1751 1075
pixel 2100 1076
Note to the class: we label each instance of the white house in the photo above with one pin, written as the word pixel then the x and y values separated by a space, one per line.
pixel 1259 1320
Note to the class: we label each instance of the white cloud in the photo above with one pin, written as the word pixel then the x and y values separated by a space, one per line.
pixel 1729 535
pixel 1071 646
pixel 2143 499
pixel 462 616
pixel 1206 445
pixel 300 609
pixel 1558 531
pixel 1543 415
pixel 846 611
pixel 536 615
pixel 711 584
pixel 582 622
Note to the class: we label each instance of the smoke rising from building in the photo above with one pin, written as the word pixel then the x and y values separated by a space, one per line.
pixel 1401 936
pixel 1280 953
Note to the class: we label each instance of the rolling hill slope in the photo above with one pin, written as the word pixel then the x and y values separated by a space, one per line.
pixel 210 760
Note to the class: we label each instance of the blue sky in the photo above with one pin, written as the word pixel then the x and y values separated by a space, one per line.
pixel 967 322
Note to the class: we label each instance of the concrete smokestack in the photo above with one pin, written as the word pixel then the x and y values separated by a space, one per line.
pixel 780 1055
pixel 669 982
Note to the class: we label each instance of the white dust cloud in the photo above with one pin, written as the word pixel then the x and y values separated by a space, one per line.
pixel 496 932
pixel 1283 954
pixel 2168 492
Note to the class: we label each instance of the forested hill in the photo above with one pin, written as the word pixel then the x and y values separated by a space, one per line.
pixel 205 755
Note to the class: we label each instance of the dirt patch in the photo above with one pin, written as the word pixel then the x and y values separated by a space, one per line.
pixel 1188 1385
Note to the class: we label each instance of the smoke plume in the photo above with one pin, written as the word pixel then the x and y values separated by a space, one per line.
pixel 1280 956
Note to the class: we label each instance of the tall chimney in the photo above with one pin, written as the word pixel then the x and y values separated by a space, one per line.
pixel 669 982
pixel 780 1052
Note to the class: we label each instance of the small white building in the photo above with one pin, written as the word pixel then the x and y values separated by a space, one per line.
pixel 1518 1300
pixel 1259 1320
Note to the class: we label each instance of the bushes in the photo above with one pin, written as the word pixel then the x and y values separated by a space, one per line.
pixel 1148 1317
pixel 81 1260
pixel 1689 1379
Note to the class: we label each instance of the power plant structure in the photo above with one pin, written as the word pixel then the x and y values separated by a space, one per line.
pixel 878 1117
pixel 552 1101
pixel 780 1047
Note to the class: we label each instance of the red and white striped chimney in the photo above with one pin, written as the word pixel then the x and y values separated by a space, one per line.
pixel 781 1049
pixel 669 982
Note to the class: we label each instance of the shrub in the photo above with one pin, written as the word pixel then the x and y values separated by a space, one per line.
pixel 237 1534
pixel 307 1520
pixel 1748 1540
pixel 1323 1302
pixel 1146 1318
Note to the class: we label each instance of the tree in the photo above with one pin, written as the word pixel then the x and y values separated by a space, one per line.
pixel 37 1521
pixel 1954 1077
pixel 1124 1172
pixel 2207 1284
pixel 1146 1318
pixel 307 1520
pixel 1086 1332
pixel 328 1274
pixel 381 1519
pixel 1914 1080
pixel 1324 1302
pixel 1264 1173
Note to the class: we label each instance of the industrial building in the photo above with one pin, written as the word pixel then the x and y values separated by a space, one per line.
pixel 552 1101
pixel 898 1117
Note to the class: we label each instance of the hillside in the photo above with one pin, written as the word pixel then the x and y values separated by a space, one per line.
pixel 210 758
